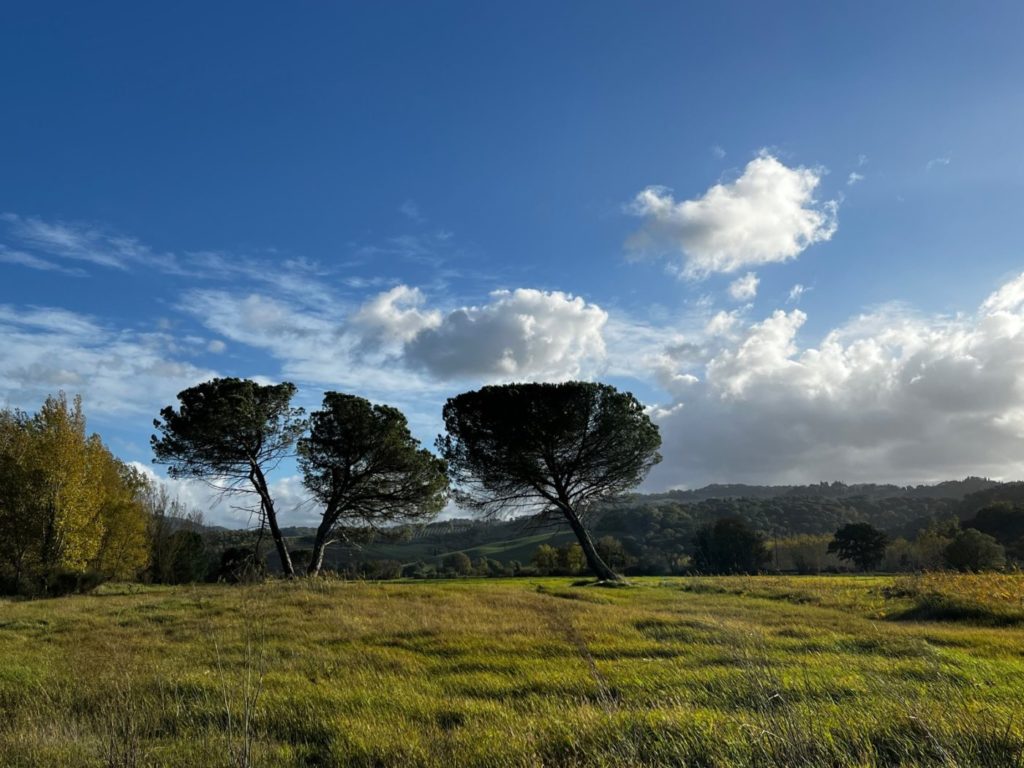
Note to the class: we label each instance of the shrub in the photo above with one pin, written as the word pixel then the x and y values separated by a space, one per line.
pixel 457 564
pixel 974 551
pixel 67 582
pixel 240 565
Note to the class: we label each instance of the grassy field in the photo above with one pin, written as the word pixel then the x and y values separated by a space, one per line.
pixel 740 671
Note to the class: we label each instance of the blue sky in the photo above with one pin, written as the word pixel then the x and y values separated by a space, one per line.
pixel 406 200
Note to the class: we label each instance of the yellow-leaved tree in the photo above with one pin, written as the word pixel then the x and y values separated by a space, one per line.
pixel 67 504
pixel 72 502
pixel 125 543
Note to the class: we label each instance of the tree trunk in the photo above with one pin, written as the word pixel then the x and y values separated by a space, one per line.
pixel 316 561
pixel 275 531
pixel 594 561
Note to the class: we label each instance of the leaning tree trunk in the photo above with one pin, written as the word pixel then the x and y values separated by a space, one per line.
pixel 594 561
pixel 323 532
pixel 267 503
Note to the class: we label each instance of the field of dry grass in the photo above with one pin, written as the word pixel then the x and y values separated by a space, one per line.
pixel 730 671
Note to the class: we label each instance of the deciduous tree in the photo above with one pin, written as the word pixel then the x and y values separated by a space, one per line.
pixel 973 551
pixel 860 543
pixel 67 504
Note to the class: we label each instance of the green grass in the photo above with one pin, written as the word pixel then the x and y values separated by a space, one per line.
pixel 739 671
pixel 434 549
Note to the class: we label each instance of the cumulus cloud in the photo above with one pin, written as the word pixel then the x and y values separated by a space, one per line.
pixel 769 214
pixel 890 395
pixel 394 342
pixel 396 315
pixel 521 334
pixel 744 288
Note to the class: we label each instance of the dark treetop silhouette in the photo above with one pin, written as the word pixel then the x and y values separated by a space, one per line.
pixel 549 449
pixel 236 431
pixel 861 543
pixel 360 462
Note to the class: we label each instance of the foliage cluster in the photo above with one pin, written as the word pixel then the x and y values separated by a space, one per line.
pixel 71 513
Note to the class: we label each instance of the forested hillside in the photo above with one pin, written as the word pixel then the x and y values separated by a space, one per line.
pixel 655 530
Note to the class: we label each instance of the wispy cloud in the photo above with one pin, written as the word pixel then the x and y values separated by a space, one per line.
pixel 937 162
pixel 796 292
pixel 22 259
pixel 117 371
pixel 302 280
pixel 85 243
pixel 411 210
pixel 853 178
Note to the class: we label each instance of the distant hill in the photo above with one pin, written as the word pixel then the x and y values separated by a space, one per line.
pixel 1010 492
pixel 950 489
pixel 662 525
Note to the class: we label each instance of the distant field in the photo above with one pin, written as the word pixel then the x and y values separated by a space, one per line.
pixel 519 548
pixel 732 671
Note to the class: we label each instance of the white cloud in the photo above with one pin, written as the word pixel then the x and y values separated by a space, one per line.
pixel 216 346
pixel 310 346
pixel 115 371
pixel 66 248
pixel 889 396
pixel 392 342
pixel 1008 298
pixel 853 178
pixel 521 334
pixel 723 323
pixel 769 214
pixel 744 288
pixel 767 348
pixel 796 293
pixel 84 243
pixel 395 315
pixel 718 151
pixel 935 162
pixel 22 259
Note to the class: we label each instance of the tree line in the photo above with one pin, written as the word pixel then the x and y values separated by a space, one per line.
pixel 72 513
pixel 552 451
